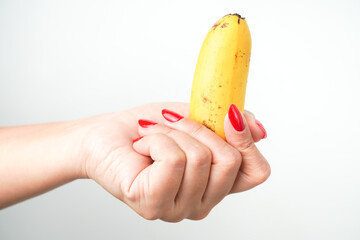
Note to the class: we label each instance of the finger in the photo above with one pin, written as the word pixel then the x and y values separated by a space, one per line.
pixel 254 169
pixel 226 159
pixel 161 180
pixel 198 163
pixel 257 130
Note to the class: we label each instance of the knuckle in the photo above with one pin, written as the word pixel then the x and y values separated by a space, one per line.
pixel 151 213
pixel 233 154
pixel 232 157
pixel 177 160
pixel 174 219
pixel 200 215
pixel 150 216
pixel 200 157
pixel 262 174
pixel 155 208
pixel 174 215
pixel 130 196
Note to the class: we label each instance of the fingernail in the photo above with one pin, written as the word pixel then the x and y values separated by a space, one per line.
pixel 146 123
pixel 235 118
pixel 262 128
pixel 137 139
pixel 171 116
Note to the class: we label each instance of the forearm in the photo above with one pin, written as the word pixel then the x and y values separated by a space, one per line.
pixel 37 158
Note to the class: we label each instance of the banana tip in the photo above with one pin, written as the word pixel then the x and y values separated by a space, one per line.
pixel 236 14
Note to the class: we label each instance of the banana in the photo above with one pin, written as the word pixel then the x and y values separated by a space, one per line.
pixel 221 72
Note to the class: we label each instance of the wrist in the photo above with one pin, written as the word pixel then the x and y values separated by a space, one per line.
pixel 71 136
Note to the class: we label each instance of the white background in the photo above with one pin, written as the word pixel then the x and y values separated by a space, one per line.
pixel 63 60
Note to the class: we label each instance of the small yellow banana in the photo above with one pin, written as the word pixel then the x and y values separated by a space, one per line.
pixel 221 72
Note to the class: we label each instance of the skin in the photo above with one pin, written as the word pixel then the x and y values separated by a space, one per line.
pixel 177 170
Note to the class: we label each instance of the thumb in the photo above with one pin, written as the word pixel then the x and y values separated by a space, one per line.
pixel 254 169
pixel 237 131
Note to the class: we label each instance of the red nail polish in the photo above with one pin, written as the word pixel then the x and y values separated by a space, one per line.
pixel 235 118
pixel 262 128
pixel 146 123
pixel 171 116
pixel 137 139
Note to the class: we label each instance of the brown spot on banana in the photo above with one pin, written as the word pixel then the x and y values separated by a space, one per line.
pixel 206 125
pixel 224 25
pixel 205 100
pixel 215 26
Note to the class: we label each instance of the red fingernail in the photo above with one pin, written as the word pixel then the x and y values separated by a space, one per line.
pixel 262 128
pixel 235 118
pixel 171 116
pixel 137 139
pixel 146 123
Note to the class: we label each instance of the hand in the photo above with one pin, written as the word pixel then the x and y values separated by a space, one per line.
pixel 179 169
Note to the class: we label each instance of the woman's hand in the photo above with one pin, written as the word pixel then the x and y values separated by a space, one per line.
pixel 166 166
pixel 163 165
